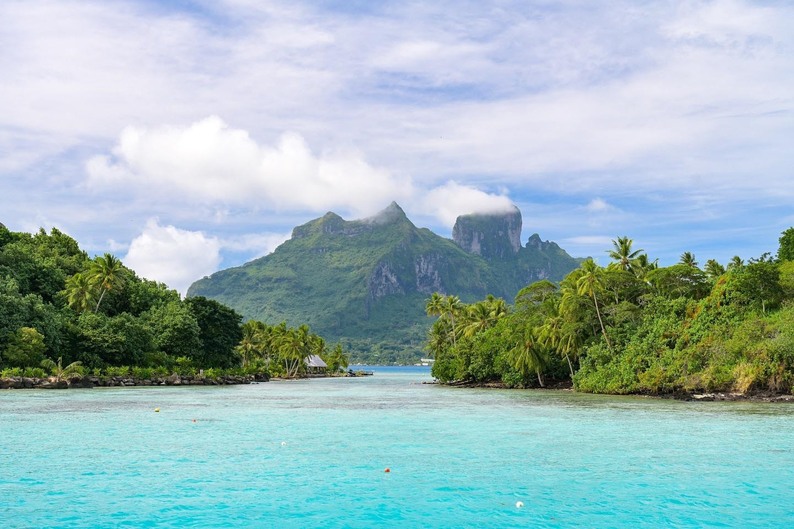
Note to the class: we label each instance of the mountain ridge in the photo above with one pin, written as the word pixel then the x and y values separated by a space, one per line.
pixel 364 282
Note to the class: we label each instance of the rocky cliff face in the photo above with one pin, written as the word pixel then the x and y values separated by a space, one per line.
pixel 490 235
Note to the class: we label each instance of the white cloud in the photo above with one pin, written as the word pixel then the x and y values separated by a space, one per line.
pixel 451 200
pixel 173 256
pixel 210 162
pixel 551 99
pixel 598 205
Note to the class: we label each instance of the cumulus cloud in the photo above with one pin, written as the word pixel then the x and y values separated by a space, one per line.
pixel 210 162
pixel 173 256
pixel 447 202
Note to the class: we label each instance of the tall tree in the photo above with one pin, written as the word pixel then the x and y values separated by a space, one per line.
pixel 688 259
pixel 107 273
pixel 714 269
pixel 528 356
pixel 590 283
pixel 625 258
pixel 735 263
pixel 80 292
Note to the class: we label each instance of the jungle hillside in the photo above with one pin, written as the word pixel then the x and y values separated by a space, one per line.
pixel 630 327
pixel 64 315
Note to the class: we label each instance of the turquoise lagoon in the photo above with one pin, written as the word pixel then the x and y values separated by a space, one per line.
pixel 312 453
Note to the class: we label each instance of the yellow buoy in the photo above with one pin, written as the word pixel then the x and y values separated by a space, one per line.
pixel 157 410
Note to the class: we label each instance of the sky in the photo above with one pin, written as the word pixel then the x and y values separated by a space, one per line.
pixel 186 136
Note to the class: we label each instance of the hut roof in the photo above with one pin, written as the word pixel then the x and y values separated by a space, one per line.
pixel 315 361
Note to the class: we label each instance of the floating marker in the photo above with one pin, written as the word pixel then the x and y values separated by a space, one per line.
pixel 283 443
pixel 519 504
pixel 387 470
pixel 157 410
pixel 194 420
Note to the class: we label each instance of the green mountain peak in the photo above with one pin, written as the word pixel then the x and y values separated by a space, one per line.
pixel 364 282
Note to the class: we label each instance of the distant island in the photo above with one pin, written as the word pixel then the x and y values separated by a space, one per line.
pixel 364 283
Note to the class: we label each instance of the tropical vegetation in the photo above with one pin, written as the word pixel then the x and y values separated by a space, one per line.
pixel 630 327
pixel 64 314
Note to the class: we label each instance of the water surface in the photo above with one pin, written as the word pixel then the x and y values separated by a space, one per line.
pixel 312 453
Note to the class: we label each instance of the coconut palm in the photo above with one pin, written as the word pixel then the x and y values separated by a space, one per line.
pixel 589 284
pixel 561 336
pixel 622 254
pixel 688 259
pixel 714 269
pixel 108 274
pixel 253 342
pixel 528 356
pixel 435 305
pixel 644 265
pixel 337 360
pixel 80 292
pixel 735 263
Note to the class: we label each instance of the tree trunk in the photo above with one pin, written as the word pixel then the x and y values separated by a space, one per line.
pixel 570 366
pixel 600 321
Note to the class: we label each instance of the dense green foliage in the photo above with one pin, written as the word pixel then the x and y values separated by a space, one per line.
pixel 363 283
pixel 632 327
pixel 62 313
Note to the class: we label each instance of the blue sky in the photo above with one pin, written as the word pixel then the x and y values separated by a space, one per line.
pixel 186 137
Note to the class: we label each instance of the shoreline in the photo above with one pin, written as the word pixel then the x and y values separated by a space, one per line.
pixel 90 382
pixel 715 396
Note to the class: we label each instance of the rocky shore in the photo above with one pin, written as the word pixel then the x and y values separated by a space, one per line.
pixel 94 381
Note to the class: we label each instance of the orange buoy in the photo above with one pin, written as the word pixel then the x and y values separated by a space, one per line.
pixel 387 470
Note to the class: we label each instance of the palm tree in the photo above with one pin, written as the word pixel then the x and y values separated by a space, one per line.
pixel 253 342
pixel 589 283
pixel 296 346
pixel 435 305
pixel 107 273
pixel 527 356
pixel 714 269
pixel 624 257
pixel 644 265
pixel 735 263
pixel 452 307
pixel 688 259
pixel 481 315
pixel 58 371
pixel 80 292
pixel 337 360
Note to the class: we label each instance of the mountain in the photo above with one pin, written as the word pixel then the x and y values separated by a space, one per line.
pixel 364 282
